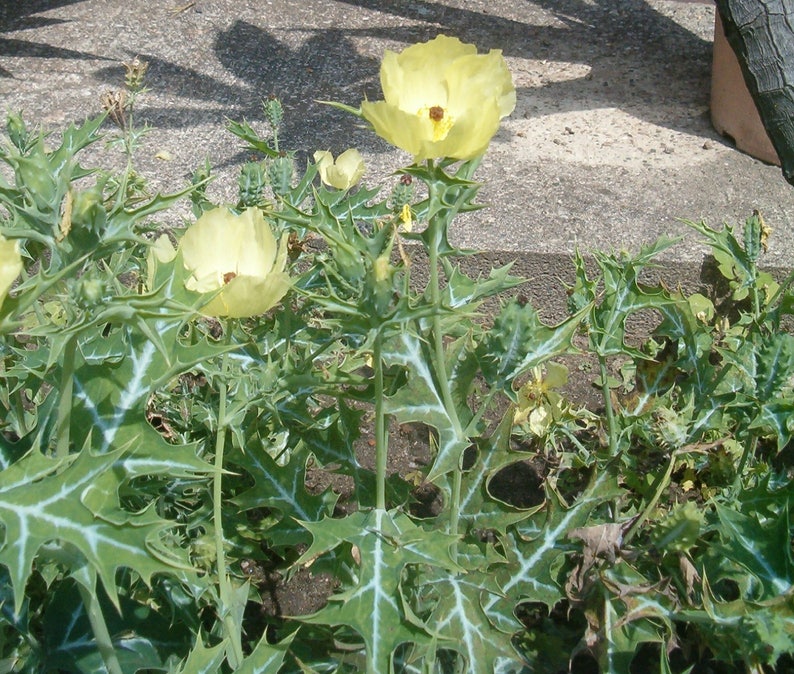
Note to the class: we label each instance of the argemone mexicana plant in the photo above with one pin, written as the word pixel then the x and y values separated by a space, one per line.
pixel 198 465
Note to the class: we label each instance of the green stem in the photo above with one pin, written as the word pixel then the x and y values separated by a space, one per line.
pixel 64 412
pixel 381 437
pixel 749 450
pixel 224 584
pixel 441 368
pixel 661 484
pixel 101 633
pixel 608 409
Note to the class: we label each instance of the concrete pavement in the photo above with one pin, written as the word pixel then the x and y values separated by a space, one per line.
pixel 610 144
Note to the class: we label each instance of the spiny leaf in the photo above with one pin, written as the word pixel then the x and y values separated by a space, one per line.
pixel 536 553
pixel 762 549
pixel 266 658
pixel 518 341
pixel 111 398
pixel 202 660
pixel 53 507
pixel 478 508
pixel 421 400
pixel 761 631
pixel 282 488
pixel 142 638
pixel 458 620
pixel 623 295
pixel 386 543
pixel 462 291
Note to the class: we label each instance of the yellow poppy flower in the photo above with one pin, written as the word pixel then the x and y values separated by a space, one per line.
pixel 343 173
pixel 441 99
pixel 10 265
pixel 237 254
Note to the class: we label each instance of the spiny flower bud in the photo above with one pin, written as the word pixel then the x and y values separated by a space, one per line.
pixel 251 184
pixel 274 112
pixel 280 173
pixel 17 132
pixel 403 194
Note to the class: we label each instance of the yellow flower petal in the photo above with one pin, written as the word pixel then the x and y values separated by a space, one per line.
pixel 238 255
pixel 10 265
pixel 160 252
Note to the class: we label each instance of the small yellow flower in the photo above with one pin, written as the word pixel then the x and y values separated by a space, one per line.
pixel 10 265
pixel 441 99
pixel 238 255
pixel 343 173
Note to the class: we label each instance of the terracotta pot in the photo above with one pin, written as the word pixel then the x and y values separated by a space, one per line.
pixel 733 112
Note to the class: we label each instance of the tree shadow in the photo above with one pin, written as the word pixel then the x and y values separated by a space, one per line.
pixel 20 15
pixel 593 34
pixel 326 67
pixel 329 67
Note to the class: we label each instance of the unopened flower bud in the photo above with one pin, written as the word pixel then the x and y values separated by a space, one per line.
pixel 17 131
pixel 280 173
pixel 274 112
pixel 251 184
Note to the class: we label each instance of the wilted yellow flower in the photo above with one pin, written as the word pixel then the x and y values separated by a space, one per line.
pixel 538 402
pixel 10 265
pixel 441 99
pixel 406 218
pixel 343 173
pixel 238 254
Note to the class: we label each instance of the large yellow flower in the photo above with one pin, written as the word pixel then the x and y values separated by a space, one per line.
pixel 441 99
pixel 239 255
pixel 10 265
pixel 343 173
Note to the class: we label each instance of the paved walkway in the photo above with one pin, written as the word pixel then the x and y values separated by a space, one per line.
pixel 609 146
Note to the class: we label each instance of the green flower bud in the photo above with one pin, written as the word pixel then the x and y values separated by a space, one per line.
pixel 251 183
pixel 274 112
pixel 18 132
pixel 280 172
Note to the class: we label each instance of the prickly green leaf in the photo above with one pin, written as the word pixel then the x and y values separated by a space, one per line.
pixel 762 549
pixel 142 638
pixel 421 400
pixel 734 262
pixel 458 621
pixel 386 542
pixel 760 631
pixel 774 370
pixel 266 658
pixel 202 660
pixel 110 398
pixel 38 505
pixel 536 548
pixel 462 291
pixel 282 488
pixel 623 295
pixel 518 341
pixel 479 509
